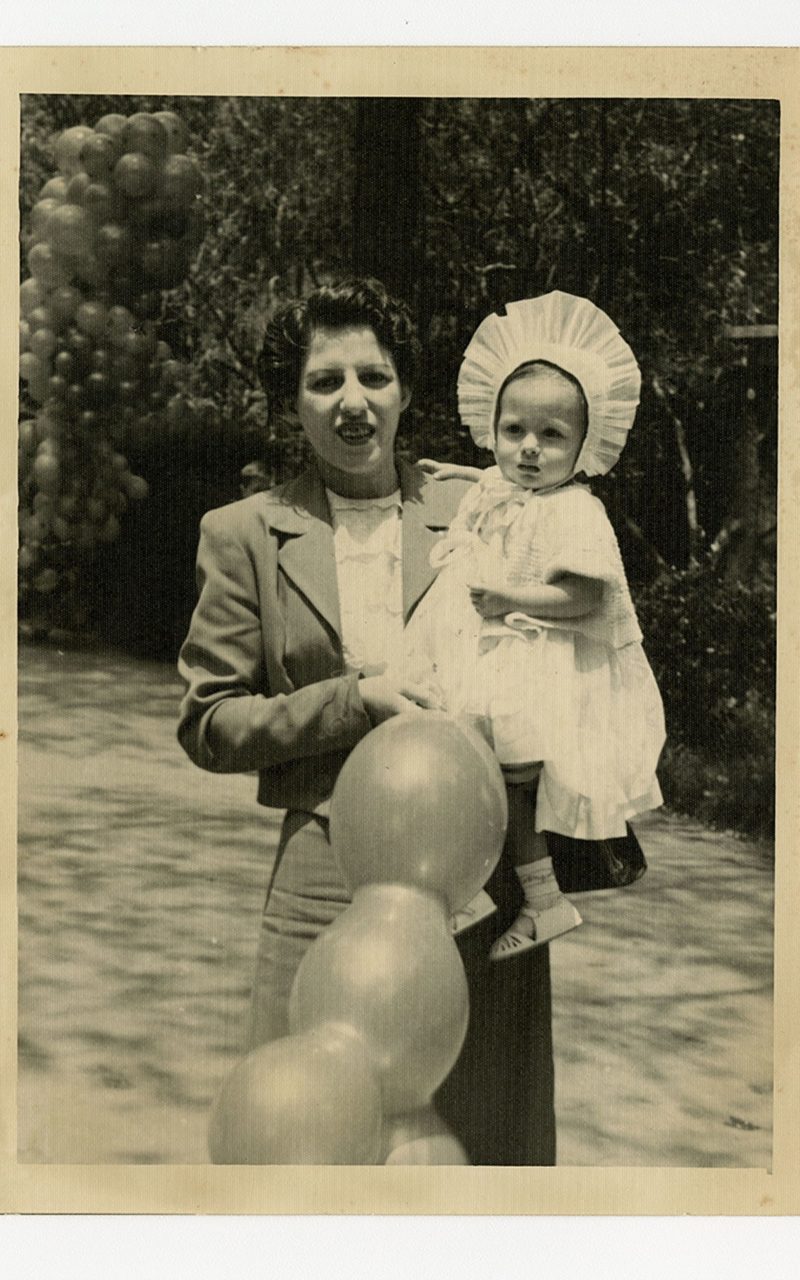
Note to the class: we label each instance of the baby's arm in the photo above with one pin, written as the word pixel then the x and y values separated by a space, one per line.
pixel 449 470
pixel 568 596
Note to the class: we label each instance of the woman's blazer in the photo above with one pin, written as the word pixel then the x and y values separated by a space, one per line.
pixel 265 684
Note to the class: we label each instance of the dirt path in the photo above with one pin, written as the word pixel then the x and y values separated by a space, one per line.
pixel 140 884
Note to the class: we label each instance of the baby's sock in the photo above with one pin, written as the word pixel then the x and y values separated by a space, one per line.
pixel 539 884
pixel 545 915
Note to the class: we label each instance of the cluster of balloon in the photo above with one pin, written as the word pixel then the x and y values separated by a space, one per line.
pixel 114 229
pixel 379 1006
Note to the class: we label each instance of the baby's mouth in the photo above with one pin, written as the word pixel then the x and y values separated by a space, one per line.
pixel 355 432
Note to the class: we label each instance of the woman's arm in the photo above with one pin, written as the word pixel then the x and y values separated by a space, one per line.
pixel 228 723
pixel 569 596
pixel 449 470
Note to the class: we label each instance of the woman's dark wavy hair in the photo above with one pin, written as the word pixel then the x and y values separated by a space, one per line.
pixel 335 306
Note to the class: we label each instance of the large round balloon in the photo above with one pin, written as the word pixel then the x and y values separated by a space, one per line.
pixel 64 302
pixel 89 229
pixel 183 179
pixel 40 215
pixel 135 174
pixel 388 969
pixel 47 267
pixel 420 801
pixel 421 1137
pixel 176 130
pixel 69 146
pixel 144 134
pixel 43 343
pixel 31 295
pixel 308 1099
pixel 68 228
pixel 114 125
pixel 54 187
pixel 99 153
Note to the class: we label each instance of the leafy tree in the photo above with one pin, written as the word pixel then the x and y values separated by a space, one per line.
pixel 665 211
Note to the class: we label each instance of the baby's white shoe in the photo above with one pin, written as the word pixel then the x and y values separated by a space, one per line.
pixel 534 928
pixel 478 909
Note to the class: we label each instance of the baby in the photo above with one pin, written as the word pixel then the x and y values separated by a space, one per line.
pixel 529 630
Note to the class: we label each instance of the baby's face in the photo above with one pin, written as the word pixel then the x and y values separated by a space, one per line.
pixel 540 430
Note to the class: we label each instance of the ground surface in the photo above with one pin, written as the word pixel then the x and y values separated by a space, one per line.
pixel 140 886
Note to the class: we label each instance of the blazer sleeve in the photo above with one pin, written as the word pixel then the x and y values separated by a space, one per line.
pixel 228 723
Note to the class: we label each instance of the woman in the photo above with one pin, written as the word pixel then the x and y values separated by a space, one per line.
pixel 303 594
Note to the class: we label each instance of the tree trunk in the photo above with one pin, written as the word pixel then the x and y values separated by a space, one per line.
pixel 386 194
pixel 740 556
pixel 695 531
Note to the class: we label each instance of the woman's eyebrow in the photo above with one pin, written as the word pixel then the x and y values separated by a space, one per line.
pixel 337 368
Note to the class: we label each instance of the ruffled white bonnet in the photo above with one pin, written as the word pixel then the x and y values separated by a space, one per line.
pixel 573 334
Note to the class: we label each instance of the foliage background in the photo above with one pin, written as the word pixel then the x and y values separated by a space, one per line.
pixel 664 211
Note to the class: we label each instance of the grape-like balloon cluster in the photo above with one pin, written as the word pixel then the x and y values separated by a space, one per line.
pixel 379 1006
pixel 114 228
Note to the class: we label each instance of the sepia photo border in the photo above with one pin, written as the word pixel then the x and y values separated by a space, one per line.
pixel 429 72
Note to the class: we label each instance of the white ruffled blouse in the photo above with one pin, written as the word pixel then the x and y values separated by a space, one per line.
pixel 368 546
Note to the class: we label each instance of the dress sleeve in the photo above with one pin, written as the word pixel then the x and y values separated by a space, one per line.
pixel 577 537
pixel 471 505
pixel 229 720
pixel 460 533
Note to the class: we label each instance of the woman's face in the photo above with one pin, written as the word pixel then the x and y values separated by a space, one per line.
pixel 349 403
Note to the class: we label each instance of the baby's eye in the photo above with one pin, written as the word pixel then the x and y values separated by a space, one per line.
pixel 512 430
pixel 552 433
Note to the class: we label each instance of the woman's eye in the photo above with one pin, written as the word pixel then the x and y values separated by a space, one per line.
pixel 374 379
pixel 327 383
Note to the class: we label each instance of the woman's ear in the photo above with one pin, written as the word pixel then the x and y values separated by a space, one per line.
pixel 287 413
pixel 406 397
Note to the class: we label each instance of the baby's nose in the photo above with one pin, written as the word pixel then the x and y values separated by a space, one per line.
pixel 530 445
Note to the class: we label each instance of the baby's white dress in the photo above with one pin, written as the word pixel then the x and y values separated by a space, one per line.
pixel 576 694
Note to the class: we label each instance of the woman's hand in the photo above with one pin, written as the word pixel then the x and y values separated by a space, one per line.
pixel 384 698
pixel 448 470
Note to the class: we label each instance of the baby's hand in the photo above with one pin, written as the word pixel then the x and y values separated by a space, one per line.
pixel 490 603
pixel 448 470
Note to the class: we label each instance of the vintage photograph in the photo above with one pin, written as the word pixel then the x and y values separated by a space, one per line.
pixel 397 630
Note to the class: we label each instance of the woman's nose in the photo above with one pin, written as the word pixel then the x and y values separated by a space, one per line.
pixel 353 399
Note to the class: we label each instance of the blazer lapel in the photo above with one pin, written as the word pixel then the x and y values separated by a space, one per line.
pixel 306 555
pixel 300 511
pixel 428 508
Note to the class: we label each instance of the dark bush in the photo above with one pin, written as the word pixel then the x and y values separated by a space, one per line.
pixel 711 644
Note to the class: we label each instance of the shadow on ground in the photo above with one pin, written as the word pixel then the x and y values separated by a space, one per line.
pixel 140 886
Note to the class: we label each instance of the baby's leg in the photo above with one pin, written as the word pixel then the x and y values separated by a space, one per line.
pixel 546 913
pixel 524 843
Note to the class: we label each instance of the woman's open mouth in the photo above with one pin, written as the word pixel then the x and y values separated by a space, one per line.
pixel 355 433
